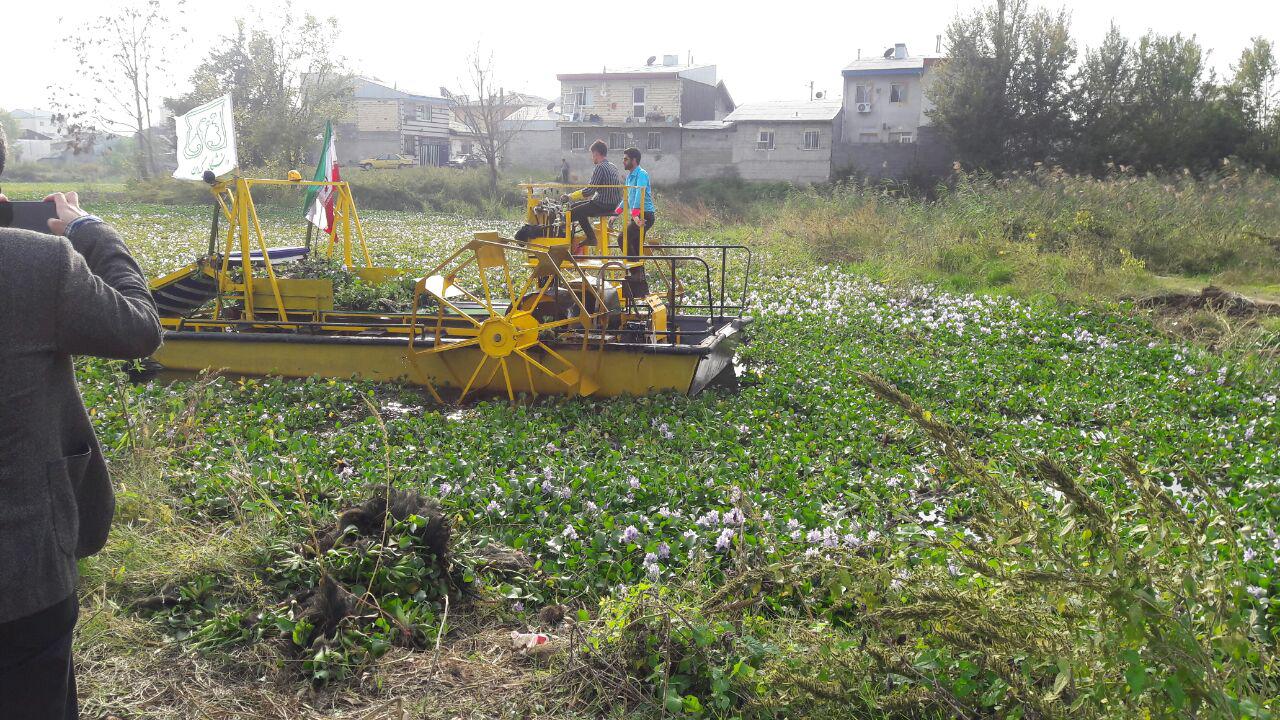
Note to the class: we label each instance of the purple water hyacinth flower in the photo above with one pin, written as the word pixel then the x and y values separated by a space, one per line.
pixel 630 534
pixel 570 533
pixel 664 551
pixel 517 606
pixel 725 539
pixel 634 482
pixel 733 517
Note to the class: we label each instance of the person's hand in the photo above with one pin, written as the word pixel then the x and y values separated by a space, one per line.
pixel 3 198
pixel 68 208
pixel 637 220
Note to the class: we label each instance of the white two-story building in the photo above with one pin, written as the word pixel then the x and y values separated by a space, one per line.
pixel 645 106
pixel 887 132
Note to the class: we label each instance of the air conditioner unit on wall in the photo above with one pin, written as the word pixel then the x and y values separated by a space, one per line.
pixel 864 107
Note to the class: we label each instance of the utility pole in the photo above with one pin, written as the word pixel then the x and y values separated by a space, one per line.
pixel 810 91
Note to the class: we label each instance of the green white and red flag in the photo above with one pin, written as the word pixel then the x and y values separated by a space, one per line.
pixel 318 206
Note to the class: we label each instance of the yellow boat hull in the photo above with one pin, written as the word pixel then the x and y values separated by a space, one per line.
pixel 617 368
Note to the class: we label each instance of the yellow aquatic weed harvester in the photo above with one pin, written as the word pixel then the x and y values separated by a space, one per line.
pixel 497 316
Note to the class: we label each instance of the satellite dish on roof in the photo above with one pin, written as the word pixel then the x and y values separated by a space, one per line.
pixel 819 95
pixel 551 105
pixel 652 59
pixel 888 53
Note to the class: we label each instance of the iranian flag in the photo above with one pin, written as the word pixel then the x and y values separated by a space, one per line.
pixel 319 202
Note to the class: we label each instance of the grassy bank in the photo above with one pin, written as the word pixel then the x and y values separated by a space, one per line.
pixel 1041 233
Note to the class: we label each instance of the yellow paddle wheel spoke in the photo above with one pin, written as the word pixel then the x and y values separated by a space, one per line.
pixel 485 321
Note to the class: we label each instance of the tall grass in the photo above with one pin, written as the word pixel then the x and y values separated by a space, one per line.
pixel 1040 232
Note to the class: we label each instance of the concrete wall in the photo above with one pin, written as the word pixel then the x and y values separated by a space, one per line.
pixel 706 153
pixel 354 145
pixel 899 117
pixel 536 147
pixel 699 101
pixel 33 150
pixel 928 158
pixel 788 161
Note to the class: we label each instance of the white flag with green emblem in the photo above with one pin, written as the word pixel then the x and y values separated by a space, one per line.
pixel 206 141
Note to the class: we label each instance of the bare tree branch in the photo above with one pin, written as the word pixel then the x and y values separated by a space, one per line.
pixel 490 114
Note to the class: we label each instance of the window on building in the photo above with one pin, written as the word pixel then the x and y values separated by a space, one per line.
pixel 811 139
pixel 897 93
pixel 580 96
pixel 901 137
pixel 637 102
pixel 616 140
pixel 466 148
pixel 578 141
pixel 655 141
pixel 861 94
pixel 421 111
pixel 869 136
pixel 765 140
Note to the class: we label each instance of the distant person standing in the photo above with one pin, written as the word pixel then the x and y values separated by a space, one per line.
pixel 640 200
pixel 564 171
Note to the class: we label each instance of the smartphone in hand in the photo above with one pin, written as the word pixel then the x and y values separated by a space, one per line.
pixel 27 215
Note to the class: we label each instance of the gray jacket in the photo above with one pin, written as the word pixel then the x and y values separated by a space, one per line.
pixel 58 298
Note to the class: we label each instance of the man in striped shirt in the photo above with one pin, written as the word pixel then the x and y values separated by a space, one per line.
pixel 606 199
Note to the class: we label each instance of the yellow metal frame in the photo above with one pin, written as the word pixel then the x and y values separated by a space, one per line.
pixel 235 199
pixel 532 201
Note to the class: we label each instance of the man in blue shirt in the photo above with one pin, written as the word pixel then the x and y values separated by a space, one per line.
pixel 642 209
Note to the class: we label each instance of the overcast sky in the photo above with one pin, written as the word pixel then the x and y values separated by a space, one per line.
pixel 763 50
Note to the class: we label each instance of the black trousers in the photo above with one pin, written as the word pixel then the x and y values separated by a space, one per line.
pixel 629 241
pixel 632 244
pixel 37 681
pixel 585 211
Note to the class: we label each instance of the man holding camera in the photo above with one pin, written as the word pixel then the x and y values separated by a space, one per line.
pixel 70 290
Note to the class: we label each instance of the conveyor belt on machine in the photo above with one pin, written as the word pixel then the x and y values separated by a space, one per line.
pixel 190 288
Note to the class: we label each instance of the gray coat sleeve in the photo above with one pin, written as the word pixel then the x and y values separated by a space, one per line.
pixel 104 305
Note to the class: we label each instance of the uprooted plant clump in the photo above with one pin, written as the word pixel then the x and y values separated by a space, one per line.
pixel 381 575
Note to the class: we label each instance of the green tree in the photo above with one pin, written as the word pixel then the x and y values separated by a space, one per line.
pixel 1103 116
pixel 1180 117
pixel 284 84
pixel 1253 93
pixel 1041 90
pixel 1003 97
pixel 973 109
